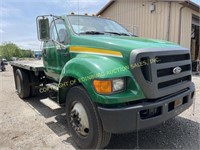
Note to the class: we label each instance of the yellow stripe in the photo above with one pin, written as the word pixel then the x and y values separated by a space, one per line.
pixel 79 49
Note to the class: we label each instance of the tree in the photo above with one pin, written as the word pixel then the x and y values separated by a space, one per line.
pixel 9 50
pixel 26 53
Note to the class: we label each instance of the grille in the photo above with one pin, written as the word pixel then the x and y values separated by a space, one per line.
pixel 173 58
pixel 169 71
pixel 173 82
pixel 158 79
pixel 167 64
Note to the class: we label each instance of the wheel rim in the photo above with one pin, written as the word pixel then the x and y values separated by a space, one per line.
pixel 79 119
pixel 18 85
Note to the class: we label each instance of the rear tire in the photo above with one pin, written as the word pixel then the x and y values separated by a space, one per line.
pixel 22 83
pixel 83 120
pixel 35 82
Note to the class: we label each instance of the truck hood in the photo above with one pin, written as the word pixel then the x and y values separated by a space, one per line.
pixel 122 44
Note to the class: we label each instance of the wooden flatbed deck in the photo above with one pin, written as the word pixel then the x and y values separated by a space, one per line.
pixel 35 65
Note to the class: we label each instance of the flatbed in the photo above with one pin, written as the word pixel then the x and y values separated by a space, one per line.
pixel 32 65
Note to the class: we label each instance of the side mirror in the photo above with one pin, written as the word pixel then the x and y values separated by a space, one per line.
pixel 43 28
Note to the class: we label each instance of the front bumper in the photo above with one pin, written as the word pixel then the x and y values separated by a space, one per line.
pixel 136 117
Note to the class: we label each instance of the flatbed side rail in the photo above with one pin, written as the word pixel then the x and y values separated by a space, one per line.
pixel 29 65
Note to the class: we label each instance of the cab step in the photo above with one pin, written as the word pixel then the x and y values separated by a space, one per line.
pixel 52 86
pixel 53 91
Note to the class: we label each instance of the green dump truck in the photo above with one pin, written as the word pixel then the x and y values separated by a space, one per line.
pixel 108 80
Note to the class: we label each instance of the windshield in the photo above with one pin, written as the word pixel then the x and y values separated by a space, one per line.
pixel 95 25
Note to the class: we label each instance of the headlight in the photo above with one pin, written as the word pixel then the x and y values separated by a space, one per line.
pixel 109 86
pixel 118 85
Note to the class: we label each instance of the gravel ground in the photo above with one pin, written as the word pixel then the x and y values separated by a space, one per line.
pixel 38 123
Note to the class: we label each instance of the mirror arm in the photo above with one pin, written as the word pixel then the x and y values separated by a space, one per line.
pixel 58 17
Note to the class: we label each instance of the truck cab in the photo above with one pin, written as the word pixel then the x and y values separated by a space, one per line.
pixel 109 80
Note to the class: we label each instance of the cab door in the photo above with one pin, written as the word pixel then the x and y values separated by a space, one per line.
pixel 55 51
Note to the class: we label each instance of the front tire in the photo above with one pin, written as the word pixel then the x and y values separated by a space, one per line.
pixel 83 120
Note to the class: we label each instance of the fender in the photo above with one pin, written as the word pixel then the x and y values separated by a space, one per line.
pixel 85 68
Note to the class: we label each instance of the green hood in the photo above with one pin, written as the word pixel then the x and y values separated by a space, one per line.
pixel 121 43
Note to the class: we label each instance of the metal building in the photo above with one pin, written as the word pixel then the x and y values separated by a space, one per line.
pixel 173 20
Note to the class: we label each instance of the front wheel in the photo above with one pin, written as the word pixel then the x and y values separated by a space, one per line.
pixel 83 120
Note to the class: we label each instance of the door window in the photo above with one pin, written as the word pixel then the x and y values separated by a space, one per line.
pixel 58 31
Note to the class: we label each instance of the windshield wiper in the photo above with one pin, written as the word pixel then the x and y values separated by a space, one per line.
pixel 117 33
pixel 91 32
pixel 124 34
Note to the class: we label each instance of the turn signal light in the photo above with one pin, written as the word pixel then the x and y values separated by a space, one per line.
pixel 103 86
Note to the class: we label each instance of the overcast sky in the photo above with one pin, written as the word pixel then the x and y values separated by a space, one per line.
pixel 17 17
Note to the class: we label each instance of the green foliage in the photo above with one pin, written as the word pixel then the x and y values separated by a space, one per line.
pixel 9 50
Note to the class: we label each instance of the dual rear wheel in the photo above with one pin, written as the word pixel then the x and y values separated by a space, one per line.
pixel 25 83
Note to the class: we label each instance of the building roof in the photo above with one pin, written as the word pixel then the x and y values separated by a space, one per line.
pixel 191 5
pixel 105 7
pixel 186 3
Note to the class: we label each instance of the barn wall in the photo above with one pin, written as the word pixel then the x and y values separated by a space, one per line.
pixel 135 15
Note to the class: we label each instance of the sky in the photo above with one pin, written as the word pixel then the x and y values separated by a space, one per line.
pixel 17 17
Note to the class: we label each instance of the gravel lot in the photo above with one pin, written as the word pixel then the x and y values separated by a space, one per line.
pixel 38 123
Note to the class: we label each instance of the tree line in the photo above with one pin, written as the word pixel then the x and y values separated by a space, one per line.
pixel 10 50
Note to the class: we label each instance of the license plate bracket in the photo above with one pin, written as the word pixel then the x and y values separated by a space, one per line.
pixel 178 102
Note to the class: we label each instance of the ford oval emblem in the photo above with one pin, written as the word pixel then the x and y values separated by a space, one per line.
pixel 177 70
